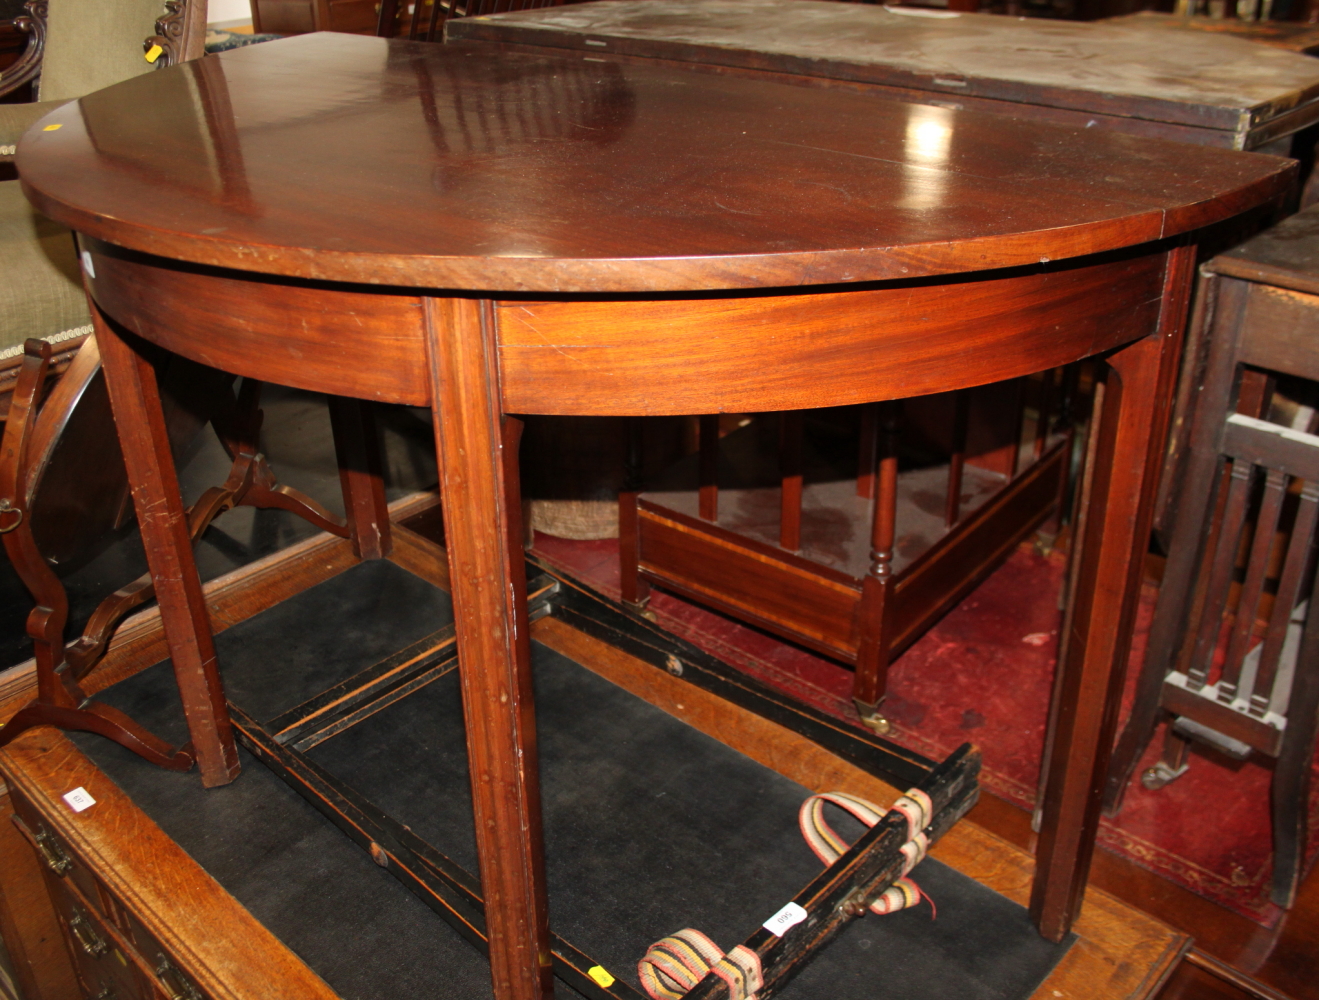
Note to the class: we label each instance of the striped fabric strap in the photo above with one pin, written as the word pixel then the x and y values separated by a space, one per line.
pixel 915 806
pixel 675 964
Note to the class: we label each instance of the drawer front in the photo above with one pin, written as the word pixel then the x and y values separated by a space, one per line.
pixel 55 854
pixel 114 955
pixel 104 969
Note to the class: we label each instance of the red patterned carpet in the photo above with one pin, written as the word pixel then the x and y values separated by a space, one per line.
pixel 983 674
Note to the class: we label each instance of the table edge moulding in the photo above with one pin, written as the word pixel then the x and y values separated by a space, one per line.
pixel 366 264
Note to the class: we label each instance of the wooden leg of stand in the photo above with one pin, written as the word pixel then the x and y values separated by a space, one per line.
pixel 489 597
pixel 635 590
pixel 139 421
pixel 1128 454
pixel 357 445
pixel 875 613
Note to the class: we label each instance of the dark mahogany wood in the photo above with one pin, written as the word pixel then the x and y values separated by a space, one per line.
pixel 164 525
pixel 357 443
pixel 1128 439
pixel 690 210
pixel 60 701
pixel 483 536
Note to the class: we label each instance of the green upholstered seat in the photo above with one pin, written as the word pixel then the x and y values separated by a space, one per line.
pixel 41 294
pixel 90 44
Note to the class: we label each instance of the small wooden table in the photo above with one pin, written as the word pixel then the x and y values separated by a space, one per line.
pixel 493 234
pixel 1208 89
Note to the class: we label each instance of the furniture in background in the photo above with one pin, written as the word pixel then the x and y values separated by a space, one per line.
pixel 296 17
pixel 38 531
pixel 1207 89
pixel 1233 655
pixel 597 234
pixel 229 895
pixel 79 47
pixel 855 568
pixel 1228 93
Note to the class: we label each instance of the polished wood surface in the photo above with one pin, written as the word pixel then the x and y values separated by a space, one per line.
pixel 1200 88
pixel 436 172
pixel 584 193
pixel 141 892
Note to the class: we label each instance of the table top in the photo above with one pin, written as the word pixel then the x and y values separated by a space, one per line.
pixel 357 159
pixel 1207 80
pixel 1294 36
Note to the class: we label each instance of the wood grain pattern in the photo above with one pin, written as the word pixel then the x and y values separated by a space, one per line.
pixel 28 923
pixel 349 343
pixel 483 541
pixel 813 188
pixel 1133 422
pixel 203 929
pixel 135 398
pixel 816 349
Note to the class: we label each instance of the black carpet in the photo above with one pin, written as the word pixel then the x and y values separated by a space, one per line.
pixel 650 826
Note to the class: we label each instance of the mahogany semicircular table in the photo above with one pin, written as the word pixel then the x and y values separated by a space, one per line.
pixel 492 235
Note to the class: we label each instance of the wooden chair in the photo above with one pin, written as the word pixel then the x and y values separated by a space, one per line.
pixel 1233 657
pixel 79 47
pixel 833 574
pixel 26 452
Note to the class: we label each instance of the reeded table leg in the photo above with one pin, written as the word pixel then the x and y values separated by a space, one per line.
pixel 1129 450
pixel 483 538
pixel 140 422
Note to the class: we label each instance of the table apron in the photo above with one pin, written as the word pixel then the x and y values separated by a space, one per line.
pixel 788 352
pixel 691 354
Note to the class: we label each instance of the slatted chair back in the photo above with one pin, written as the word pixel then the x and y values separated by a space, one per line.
pixel 1233 657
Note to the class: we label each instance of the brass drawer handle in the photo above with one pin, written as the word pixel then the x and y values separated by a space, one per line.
pixel 52 853
pixel 91 942
pixel 175 985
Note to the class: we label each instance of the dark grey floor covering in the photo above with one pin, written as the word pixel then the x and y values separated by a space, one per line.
pixel 650 826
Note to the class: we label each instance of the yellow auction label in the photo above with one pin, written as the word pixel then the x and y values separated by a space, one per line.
pixel 51 128
pixel 153 53
pixel 601 975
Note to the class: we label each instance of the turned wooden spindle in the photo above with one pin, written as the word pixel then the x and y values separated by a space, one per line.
pixel 874 611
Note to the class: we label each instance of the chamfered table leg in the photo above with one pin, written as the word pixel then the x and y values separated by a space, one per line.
pixel 357 450
pixel 1129 452
pixel 140 423
pixel 482 535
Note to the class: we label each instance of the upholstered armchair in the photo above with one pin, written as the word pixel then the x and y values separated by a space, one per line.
pixel 74 47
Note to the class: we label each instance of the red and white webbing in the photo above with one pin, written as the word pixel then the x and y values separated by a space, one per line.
pixel 829 847
pixel 678 962
pixel 675 964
